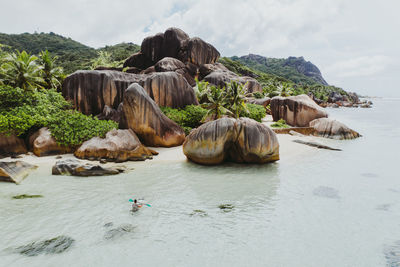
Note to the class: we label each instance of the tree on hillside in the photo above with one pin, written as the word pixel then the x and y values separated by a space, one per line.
pixel 52 75
pixel 22 70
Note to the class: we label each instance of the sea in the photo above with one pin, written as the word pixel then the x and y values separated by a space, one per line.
pixel 325 208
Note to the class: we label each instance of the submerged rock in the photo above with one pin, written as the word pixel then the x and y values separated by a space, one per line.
pixel 77 168
pixel 334 129
pixel 15 171
pixel 325 191
pixel 119 231
pixel 11 145
pixel 55 245
pixel 296 110
pixel 118 145
pixel 316 144
pixel 243 141
pixel 43 144
pixel 144 117
pixel 23 196
pixel 226 207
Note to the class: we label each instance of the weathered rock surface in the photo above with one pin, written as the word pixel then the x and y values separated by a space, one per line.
pixel 43 144
pixel 296 110
pixel 144 117
pixel 12 145
pixel 334 129
pixel 169 64
pixel 259 101
pixel 55 245
pixel 78 168
pixel 170 89
pixel 221 78
pixel 243 141
pixel 15 171
pixel 90 91
pixel 118 145
pixel 138 60
pixel 111 114
pixel 198 52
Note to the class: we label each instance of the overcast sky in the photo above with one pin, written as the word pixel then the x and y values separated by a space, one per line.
pixel 355 43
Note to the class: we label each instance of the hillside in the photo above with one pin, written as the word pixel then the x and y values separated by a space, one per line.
pixel 295 69
pixel 72 54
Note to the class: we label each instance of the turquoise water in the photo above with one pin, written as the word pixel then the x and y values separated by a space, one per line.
pixel 324 208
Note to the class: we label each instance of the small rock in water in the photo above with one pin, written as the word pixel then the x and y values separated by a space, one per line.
pixel 78 168
pixel 58 157
pixel 23 196
pixel 119 231
pixel 200 213
pixel 103 161
pixel 226 207
pixel 325 191
pixel 392 254
pixel 315 144
pixel 51 246
pixel 108 224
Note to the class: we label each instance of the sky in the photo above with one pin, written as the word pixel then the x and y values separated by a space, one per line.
pixel 355 43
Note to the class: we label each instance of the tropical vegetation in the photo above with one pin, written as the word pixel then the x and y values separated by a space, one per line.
pixel 29 100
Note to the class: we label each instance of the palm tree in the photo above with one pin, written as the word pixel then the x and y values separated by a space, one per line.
pixel 21 70
pixel 236 96
pixel 216 101
pixel 201 90
pixel 104 59
pixel 52 75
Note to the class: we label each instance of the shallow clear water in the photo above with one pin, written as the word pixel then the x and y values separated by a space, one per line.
pixel 325 208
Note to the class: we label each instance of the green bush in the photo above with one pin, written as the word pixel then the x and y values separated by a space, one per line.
pixel 255 112
pixel 258 95
pixel 21 112
pixel 188 118
pixel 280 124
pixel 73 128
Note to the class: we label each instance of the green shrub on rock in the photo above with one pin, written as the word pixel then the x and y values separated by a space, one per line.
pixel 280 124
pixel 188 118
pixel 255 112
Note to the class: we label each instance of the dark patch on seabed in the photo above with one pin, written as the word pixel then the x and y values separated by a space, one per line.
pixel 392 254
pixel 51 246
pixel 325 191
pixel 119 231
pixel 370 175
pixel 384 207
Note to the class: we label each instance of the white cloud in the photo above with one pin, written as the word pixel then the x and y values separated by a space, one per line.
pixel 360 66
pixel 358 35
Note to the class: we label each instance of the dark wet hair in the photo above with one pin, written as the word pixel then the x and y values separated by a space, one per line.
pixel 135 201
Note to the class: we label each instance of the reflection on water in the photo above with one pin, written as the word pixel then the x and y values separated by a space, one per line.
pixel 317 209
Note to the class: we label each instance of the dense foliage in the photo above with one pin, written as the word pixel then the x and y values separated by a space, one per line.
pixel 253 111
pixel 71 55
pixel 188 118
pixel 22 111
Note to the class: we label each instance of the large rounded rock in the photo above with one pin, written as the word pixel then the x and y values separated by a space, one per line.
pixel 153 47
pixel 11 145
pixel 243 141
pixel 118 145
pixel 144 117
pixel 296 110
pixel 138 60
pixel 90 91
pixel 173 39
pixel 169 64
pixel 222 78
pixel 198 52
pixel 170 89
pixel 77 168
pixel 334 129
pixel 43 144
pixel 259 101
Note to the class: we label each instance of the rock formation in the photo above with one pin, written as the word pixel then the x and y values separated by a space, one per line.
pixel 43 144
pixel 90 91
pixel 259 101
pixel 169 89
pixel 334 129
pixel 144 117
pixel 76 168
pixel 15 171
pixel 12 145
pixel 243 141
pixel 296 110
pixel 118 145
